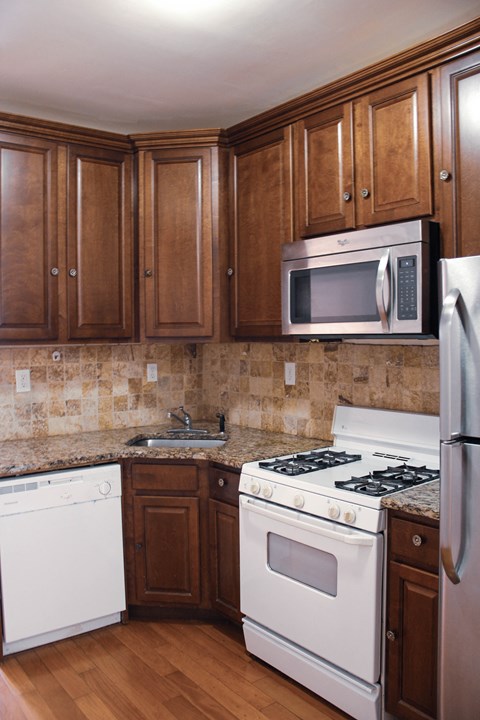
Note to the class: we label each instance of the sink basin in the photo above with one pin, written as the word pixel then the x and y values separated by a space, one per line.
pixel 194 442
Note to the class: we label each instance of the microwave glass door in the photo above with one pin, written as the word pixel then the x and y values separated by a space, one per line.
pixel 339 293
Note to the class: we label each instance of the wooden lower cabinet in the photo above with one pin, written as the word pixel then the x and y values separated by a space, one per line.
pixel 167 559
pixel 224 543
pixel 412 619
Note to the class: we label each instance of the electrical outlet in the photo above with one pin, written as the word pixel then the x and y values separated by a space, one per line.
pixel 289 373
pixel 152 375
pixel 22 379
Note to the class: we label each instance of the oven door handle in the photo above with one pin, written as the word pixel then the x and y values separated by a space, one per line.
pixel 290 517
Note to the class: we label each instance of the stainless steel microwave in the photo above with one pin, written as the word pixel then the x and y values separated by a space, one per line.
pixel 364 283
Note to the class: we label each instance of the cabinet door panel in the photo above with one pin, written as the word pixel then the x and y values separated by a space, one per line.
pixel 28 245
pixel 459 193
pixel 177 243
pixel 100 244
pixel 262 222
pixel 393 137
pixel 324 172
pixel 225 558
pixel 412 655
pixel 167 559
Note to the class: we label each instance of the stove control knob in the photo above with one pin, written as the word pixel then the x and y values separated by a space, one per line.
pixel 334 512
pixel 267 491
pixel 349 516
pixel 299 501
pixel 255 487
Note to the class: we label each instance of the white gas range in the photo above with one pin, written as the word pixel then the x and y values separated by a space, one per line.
pixel 312 551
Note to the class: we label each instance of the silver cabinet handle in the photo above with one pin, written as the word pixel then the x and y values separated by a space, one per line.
pixel 230 272
pixel 417 540
pixel 148 273
pixel 444 175
pixel 72 272
pixel 347 196
pixel 54 271
pixel 364 193
pixel 221 482
pixel 391 635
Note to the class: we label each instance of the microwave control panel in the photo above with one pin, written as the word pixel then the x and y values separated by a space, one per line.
pixel 407 288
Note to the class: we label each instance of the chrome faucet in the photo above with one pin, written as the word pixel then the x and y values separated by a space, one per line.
pixel 186 420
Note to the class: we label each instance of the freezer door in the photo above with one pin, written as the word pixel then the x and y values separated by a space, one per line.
pixel 459 642
pixel 460 348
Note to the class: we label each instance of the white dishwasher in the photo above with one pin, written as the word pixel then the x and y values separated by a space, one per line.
pixel 61 554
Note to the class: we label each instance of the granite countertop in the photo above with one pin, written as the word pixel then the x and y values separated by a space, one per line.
pixel 22 457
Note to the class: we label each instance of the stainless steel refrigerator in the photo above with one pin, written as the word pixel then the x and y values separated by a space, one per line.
pixel 459 642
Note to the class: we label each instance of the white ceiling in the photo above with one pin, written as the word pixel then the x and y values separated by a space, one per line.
pixel 144 65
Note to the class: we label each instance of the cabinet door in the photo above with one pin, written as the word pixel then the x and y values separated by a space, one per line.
pixel 458 173
pixel 324 172
pixel 176 243
pixel 262 221
pixel 167 550
pixel 99 244
pixel 224 558
pixel 393 153
pixel 411 651
pixel 28 239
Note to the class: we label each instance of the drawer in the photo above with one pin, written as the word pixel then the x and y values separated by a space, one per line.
pixel 414 543
pixel 176 478
pixel 224 485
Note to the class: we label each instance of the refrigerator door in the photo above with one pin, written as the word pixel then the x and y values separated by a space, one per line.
pixel 459 335
pixel 459 643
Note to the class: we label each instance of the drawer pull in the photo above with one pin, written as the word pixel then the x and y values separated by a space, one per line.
pixel 221 482
pixel 391 635
pixel 417 540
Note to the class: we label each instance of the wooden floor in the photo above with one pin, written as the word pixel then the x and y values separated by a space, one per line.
pixel 167 670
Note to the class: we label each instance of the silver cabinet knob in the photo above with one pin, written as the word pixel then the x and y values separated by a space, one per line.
pixel 391 635
pixel 417 540
pixel 221 482
pixel 54 272
pixel 148 273
pixel 444 175
pixel 347 196
pixel 72 272
pixel 230 272
pixel 364 193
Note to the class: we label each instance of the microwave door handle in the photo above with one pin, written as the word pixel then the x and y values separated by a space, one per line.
pixel 291 518
pixel 383 280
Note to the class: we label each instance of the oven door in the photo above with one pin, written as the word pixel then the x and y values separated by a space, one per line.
pixel 314 582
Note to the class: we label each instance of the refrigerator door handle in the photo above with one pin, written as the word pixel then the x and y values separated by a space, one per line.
pixel 452 531
pixel 450 370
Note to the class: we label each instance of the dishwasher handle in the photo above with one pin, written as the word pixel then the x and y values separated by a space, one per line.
pixel 314 525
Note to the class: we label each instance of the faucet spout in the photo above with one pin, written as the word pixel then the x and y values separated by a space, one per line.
pixel 186 420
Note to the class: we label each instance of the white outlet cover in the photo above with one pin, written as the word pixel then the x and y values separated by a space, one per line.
pixel 289 373
pixel 22 380
pixel 152 375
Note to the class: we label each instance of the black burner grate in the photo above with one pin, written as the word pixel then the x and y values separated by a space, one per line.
pixel 301 463
pixel 390 480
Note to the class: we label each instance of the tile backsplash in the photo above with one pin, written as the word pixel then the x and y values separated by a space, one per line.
pixel 104 386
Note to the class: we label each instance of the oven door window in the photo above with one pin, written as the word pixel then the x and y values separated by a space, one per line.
pixel 303 563
pixel 339 293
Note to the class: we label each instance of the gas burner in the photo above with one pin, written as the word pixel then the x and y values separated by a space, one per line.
pixel 393 479
pixel 301 463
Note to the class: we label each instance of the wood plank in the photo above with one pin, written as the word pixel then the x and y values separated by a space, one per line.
pixel 9 707
pixel 117 700
pixel 200 700
pixel 71 682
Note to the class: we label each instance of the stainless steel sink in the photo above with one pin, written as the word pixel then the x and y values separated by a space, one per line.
pixel 194 442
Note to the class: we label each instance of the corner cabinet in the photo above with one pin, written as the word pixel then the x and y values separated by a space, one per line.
pixel 262 220
pixel 366 162
pixel 224 542
pixel 182 245
pixel 412 617
pixel 29 255
pixel 457 170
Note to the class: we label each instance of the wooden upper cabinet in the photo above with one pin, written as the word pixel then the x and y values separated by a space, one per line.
pixel 261 184
pixel 324 172
pixel 457 170
pixel 393 152
pixel 28 239
pixel 99 244
pixel 176 242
